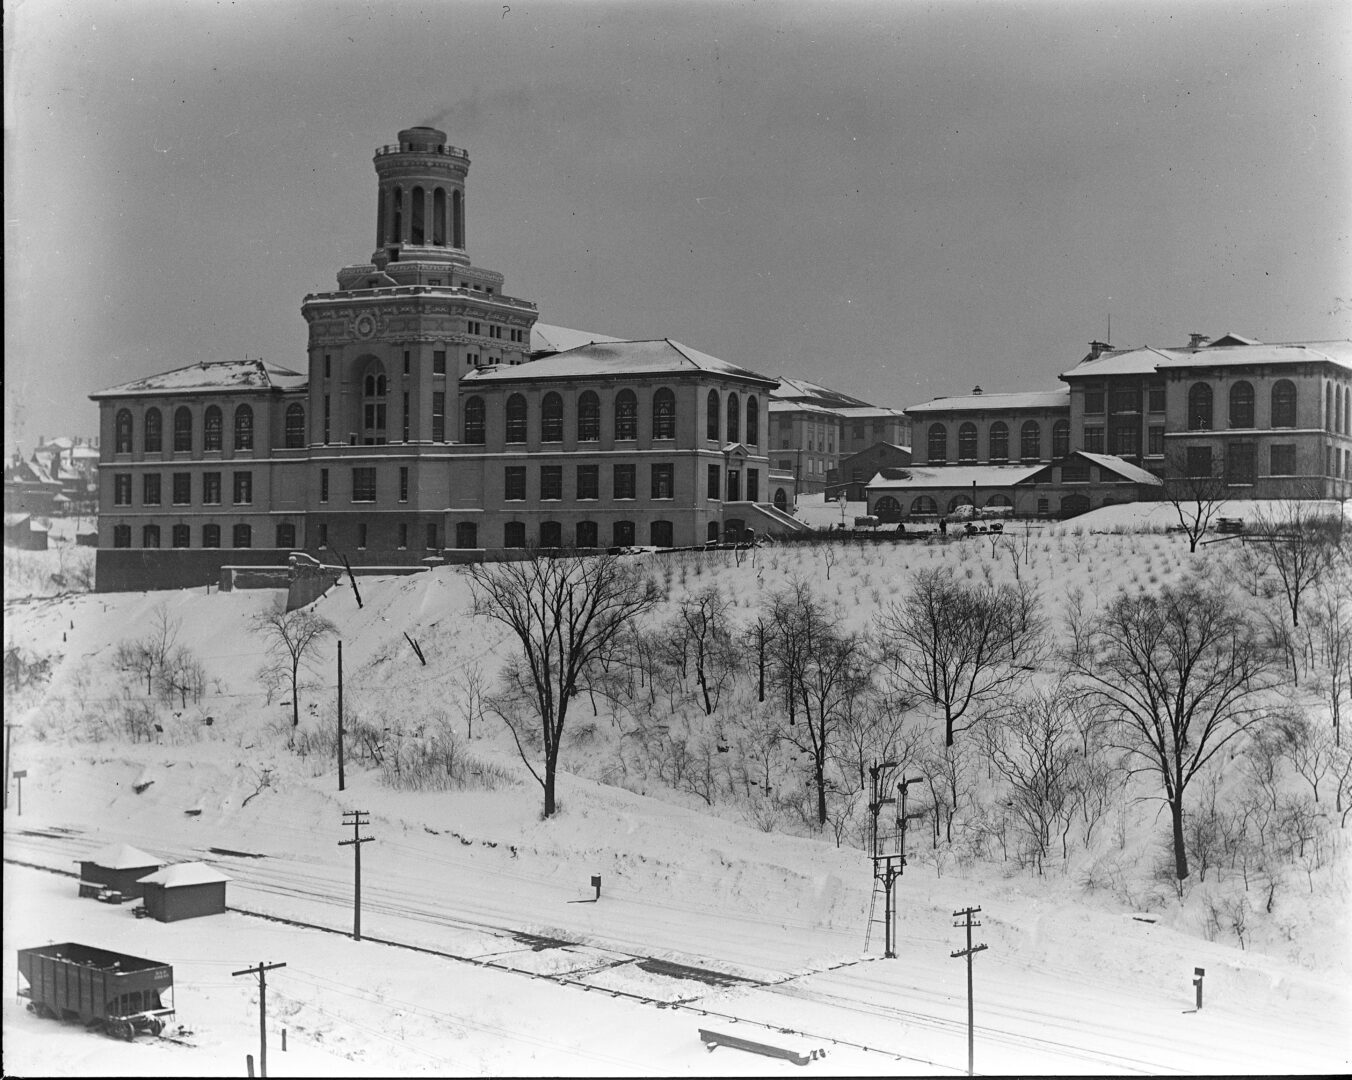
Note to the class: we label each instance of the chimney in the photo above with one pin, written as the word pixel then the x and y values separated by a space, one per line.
pixel 1197 341
pixel 1097 349
pixel 976 391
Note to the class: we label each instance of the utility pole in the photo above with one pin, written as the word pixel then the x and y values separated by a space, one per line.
pixel 9 731
pixel 262 972
pixel 356 843
pixel 966 915
pixel 342 782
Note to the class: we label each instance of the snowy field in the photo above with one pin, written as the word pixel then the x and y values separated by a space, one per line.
pixel 486 951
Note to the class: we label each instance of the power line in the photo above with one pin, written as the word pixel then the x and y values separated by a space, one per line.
pixel 262 972
pixel 356 843
pixel 966 915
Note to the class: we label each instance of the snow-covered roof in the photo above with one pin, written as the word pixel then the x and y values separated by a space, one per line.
pixel 801 389
pixel 224 376
pixel 803 407
pixel 546 338
pixel 868 412
pixel 1030 399
pixel 121 857
pixel 963 476
pixel 611 358
pixel 1124 469
pixel 1149 359
pixel 188 873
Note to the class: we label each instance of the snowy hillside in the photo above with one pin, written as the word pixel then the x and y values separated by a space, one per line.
pixel 486 950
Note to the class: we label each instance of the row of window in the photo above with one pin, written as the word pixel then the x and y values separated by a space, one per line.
pixel 624 482
pixel 1030 441
pixel 1123 399
pixel 213 429
pixel 180 488
pixel 1242 413
pixel 1240 466
pixel 391 212
pixel 625 417
pixel 180 536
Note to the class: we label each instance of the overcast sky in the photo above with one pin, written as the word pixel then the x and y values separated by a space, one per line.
pixel 899 200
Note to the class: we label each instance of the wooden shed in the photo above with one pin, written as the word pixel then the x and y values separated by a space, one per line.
pixel 184 891
pixel 118 866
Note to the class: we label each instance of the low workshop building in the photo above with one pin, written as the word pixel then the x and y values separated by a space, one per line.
pixel 184 891
pixel 119 867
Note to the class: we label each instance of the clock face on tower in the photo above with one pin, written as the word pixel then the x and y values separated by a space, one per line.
pixel 365 326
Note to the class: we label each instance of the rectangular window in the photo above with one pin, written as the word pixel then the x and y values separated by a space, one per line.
pixel 626 481
pixel 1155 445
pixel 328 366
pixel 183 488
pixel 1239 463
pixel 431 536
pixel 438 361
pixel 403 483
pixel 408 362
pixel 1093 438
pixel 1284 459
pixel 753 485
pixel 364 483
pixel 243 487
pixel 588 481
pixel 1126 439
pixel 406 415
pixel 122 491
pixel 180 536
pixel 1155 394
pixel 323 539
pixel 361 535
pixel 326 418
pixel 323 485
pixel 714 472
pixel 211 488
pixel 514 483
pixel 662 481
pixel 150 489
pixel 784 464
pixel 551 481
pixel 1199 461
pixel 1125 399
pixel 1093 400
pixel 438 416
pixel 403 535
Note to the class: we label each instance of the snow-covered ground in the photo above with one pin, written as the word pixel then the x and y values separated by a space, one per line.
pixel 486 952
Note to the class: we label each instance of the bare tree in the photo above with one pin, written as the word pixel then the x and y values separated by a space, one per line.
pixel 567 613
pixel 1180 671
pixel 703 631
pixel 823 670
pixel 292 638
pixel 1328 630
pixel 147 656
pixel 758 636
pixel 1288 548
pixel 958 645
pixel 1196 494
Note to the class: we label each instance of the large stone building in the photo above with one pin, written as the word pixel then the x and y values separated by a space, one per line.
pixel 813 429
pixel 435 418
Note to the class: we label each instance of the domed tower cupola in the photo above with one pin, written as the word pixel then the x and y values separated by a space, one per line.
pixel 420 212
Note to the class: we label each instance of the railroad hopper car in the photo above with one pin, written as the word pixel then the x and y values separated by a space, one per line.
pixel 120 994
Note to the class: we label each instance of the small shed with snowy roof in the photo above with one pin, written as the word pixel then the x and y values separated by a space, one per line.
pixel 184 891
pixel 118 866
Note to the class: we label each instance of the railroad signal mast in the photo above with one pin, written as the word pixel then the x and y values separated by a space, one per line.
pixel 888 864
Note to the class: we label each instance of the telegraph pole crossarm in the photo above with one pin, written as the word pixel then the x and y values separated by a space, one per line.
pixel 262 972
pixel 359 819
pixel 968 922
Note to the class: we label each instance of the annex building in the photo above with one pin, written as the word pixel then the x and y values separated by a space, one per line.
pixel 436 418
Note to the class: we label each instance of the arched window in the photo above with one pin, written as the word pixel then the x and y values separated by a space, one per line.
pixel 514 534
pixel 457 220
pixel 474 421
pixel 1000 500
pixel 213 424
pixel 958 500
pixel 664 414
pixel 622 534
pixel 967 442
pixel 466 534
pixel 150 536
pixel 244 428
pixel 211 536
pixel 416 232
pixel 122 536
pixel 887 509
pixel 122 443
pixel 1328 407
pixel 924 504
pixel 295 426
pixel 588 417
pixel 660 534
pixel 626 415
pixel 397 218
pixel 1199 407
pixel 374 388
pixel 183 430
pixel 752 421
pixel 938 443
pixel 734 414
pixel 999 441
pixel 1060 439
pixel 153 435
pixel 551 534
pixel 516 421
pixel 781 499
pixel 551 419
pixel 243 536
pixel 1241 404
pixel 439 218
pixel 711 532
pixel 286 535
pixel 1030 441
pixel 588 536
pixel 711 416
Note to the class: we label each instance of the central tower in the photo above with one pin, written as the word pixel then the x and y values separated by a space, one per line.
pixel 420 211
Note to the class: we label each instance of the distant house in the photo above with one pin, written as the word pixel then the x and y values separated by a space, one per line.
pixel 857 470
pixel 30 488
pixel 21 532
pixel 120 867
pixel 184 891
